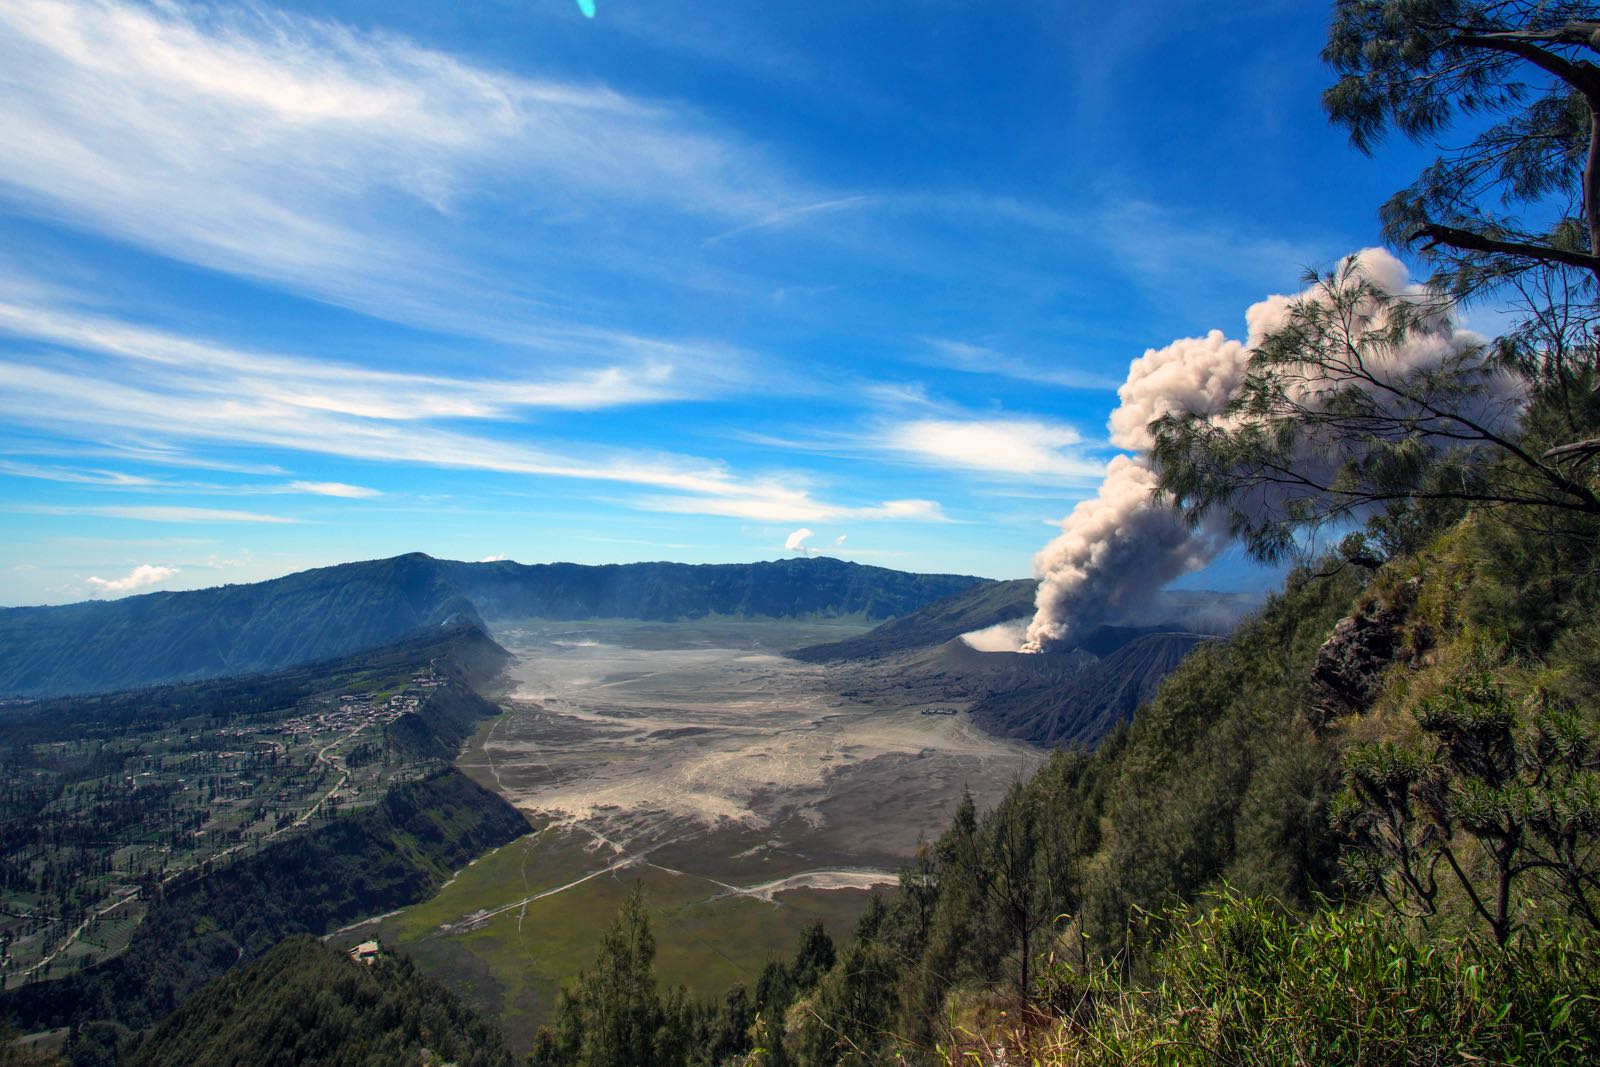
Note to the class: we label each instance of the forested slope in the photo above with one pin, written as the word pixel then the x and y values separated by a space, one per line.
pixel 460 651
pixel 396 853
pixel 307 1004
pixel 1216 873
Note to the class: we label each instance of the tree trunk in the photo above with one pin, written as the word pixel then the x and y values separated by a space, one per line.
pixel 1591 184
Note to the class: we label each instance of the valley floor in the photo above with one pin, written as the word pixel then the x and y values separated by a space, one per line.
pixel 748 796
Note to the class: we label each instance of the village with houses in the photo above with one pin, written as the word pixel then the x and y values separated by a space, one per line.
pixel 92 829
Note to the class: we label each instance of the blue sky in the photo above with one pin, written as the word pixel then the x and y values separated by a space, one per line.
pixel 288 285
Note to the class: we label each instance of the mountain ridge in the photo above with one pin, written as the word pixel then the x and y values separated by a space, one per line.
pixel 972 609
pixel 155 638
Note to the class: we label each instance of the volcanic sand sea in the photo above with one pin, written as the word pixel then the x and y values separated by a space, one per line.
pixel 639 744
pixel 746 794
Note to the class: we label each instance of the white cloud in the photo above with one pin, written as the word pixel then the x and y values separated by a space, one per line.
pixel 500 557
pixel 981 359
pixel 143 449
pixel 339 489
pixel 789 216
pixel 80 403
pixel 837 541
pixel 150 514
pixel 1028 448
pixel 662 372
pixel 144 574
pixel 75 476
pixel 797 541
pixel 122 480
pixel 57 398
pixel 794 506
pixel 157 386
pixel 324 157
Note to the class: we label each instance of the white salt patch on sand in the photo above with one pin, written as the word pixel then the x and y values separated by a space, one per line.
pixel 850 879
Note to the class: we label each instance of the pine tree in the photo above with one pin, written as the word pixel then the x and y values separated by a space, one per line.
pixel 623 1009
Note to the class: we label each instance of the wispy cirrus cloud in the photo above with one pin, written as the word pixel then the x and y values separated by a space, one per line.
pixel 170 390
pixel 123 480
pixel 783 218
pixel 335 489
pixel 1007 447
pixel 918 430
pixel 182 409
pixel 330 160
pixel 982 359
pixel 775 503
pixel 141 513
pixel 75 476
pixel 670 372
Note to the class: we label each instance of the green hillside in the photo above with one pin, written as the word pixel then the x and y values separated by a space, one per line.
pixel 397 852
pixel 307 1004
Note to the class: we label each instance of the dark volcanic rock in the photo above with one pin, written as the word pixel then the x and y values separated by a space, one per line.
pixel 1348 672
pixel 1074 697
pixel 1349 665
pixel 1081 709
pixel 974 609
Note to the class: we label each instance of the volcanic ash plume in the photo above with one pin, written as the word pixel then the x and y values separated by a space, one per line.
pixel 1120 547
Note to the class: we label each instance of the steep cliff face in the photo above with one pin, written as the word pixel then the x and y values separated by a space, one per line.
pixel 1080 710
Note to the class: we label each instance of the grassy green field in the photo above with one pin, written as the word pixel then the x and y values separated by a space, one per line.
pixel 512 964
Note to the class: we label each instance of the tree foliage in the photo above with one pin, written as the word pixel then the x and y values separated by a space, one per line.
pixel 1362 405
pixel 1519 75
pixel 1487 801
pixel 306 1003
pixel 1366 403
pixel 1249 984
pixel 613 1016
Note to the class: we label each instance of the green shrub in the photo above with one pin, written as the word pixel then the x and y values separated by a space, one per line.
pixel 1249 984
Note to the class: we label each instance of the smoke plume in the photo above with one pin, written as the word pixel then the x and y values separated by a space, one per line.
pixel 1118 548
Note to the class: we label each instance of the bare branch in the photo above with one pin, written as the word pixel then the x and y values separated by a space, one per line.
pixel 1582 76
pixel 1467 240
pixel 1575 450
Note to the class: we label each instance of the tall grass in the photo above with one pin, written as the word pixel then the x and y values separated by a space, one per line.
pixel 1248 984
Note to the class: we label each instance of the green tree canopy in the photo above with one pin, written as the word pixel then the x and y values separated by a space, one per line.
pixel 1519 76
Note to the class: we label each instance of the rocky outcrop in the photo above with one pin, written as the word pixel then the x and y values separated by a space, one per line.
pixel 1348 672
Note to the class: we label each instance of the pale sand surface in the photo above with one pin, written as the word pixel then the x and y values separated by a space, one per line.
pixel 725 759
